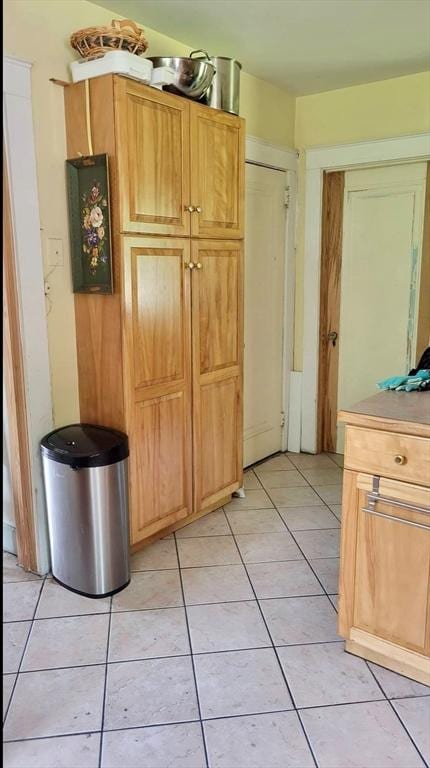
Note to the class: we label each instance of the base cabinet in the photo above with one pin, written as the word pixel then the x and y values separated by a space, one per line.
pixel 384 602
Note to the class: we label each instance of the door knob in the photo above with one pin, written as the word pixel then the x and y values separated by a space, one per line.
pixel 198 265
pixel 332 336
pixel 189 265
pixel 198 209
pixel 189 208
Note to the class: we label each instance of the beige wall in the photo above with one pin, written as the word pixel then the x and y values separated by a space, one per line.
pixel 396 107
pixel 39 31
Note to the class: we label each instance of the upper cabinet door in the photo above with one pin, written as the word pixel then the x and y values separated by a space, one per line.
pixel 217 173
pixel 153 160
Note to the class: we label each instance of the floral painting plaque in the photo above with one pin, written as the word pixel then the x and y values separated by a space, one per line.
pixel 90 237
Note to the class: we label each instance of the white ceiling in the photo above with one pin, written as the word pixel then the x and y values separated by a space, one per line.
pixel 305 46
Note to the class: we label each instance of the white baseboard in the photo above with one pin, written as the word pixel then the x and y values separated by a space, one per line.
pixel 9 538
pixel 295 412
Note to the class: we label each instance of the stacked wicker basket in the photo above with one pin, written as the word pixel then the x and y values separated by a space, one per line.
pixel 122 35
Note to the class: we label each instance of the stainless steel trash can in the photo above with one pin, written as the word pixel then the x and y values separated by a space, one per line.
pixel 224 91
pixel 85 477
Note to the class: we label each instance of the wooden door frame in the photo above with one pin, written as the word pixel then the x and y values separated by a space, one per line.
pixel 260 152
pixel 389 151
pixel 20 466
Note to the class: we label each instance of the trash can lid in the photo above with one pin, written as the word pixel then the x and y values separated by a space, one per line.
pixel 85 445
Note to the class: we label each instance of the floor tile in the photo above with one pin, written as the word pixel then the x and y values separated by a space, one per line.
pixel 332 476
pixel 20 600
pixel 327 570
pixel 415 715
pixel 216 584
pixel 293 578
pixel 280 462
pixel 160 746
pixel 56 601
pixel 251 481
pixel 13 572
pixel 254 499
pixel 311 461
pixel 324 674
pixel 226 627
pixel 306 518
pixel 240 682
pixel 14 640
pixel 210 550
pixel 331 494
pixel 337 510
pixel 255 521
pixel 8 682
pixel 214 524
pixel 146 634
pixel 152 589
pixel 295 620
pixel 267 547
pixel 295 497
pixel 56 702
pixel 281 478
pixel 334 599
pixel 150 692
pixel 67 642
pixel 397 686
pixel 160 555
pixel 60 752
pixel 316 544
pixel 359 736
pixel 337 458
pixel 273 740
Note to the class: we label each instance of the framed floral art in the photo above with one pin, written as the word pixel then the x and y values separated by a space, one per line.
pixel 89 221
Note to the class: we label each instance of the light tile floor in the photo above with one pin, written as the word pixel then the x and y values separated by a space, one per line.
pixel 222 652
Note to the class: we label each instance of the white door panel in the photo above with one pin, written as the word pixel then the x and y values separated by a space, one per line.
pixel 264 296
pixel 382 243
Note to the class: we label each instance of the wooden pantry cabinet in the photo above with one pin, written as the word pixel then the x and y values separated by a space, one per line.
pixel 384 601
pixel 162 358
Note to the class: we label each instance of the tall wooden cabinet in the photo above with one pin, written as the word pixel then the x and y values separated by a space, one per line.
pixel 161 358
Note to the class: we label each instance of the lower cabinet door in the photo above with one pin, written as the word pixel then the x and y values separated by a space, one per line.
pixel 391 592
pixel 157 351
pixel 217 343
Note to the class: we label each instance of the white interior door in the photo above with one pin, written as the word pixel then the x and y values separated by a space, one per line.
pixel 381 259
pixel 264 311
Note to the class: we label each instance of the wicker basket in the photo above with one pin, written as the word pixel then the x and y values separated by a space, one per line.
pixel 122 35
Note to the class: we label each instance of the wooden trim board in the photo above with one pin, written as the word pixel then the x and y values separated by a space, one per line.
pixel 331 261
pixel 20 465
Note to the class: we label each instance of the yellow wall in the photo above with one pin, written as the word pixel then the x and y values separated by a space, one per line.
pixel 396 107
pixel 39 31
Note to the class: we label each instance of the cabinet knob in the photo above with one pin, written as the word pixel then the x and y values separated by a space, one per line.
pixel 198 209
pixel 189 265
pixel 189 208
pixel 198 265
pixel 400 459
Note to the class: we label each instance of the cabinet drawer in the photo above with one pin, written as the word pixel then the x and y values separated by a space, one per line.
pixel 402 457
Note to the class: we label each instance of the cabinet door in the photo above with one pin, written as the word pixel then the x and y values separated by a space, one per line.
pixel 157 351
pixel 392 566
pixel 217 173
pixel 217 331
pixel 153 159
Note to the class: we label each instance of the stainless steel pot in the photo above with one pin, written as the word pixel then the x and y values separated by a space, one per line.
pixel 193 76
pixel 224 90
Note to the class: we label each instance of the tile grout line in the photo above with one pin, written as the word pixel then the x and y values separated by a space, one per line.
pixel 395 711
pixel 105 685
pixel 273 646
pixel 192 655
pixel 23 654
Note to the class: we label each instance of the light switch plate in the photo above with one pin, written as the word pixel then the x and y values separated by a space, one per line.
pixel 55 252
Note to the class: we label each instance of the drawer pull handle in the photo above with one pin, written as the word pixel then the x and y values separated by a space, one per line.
pixel 400 459
pixel 398 519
